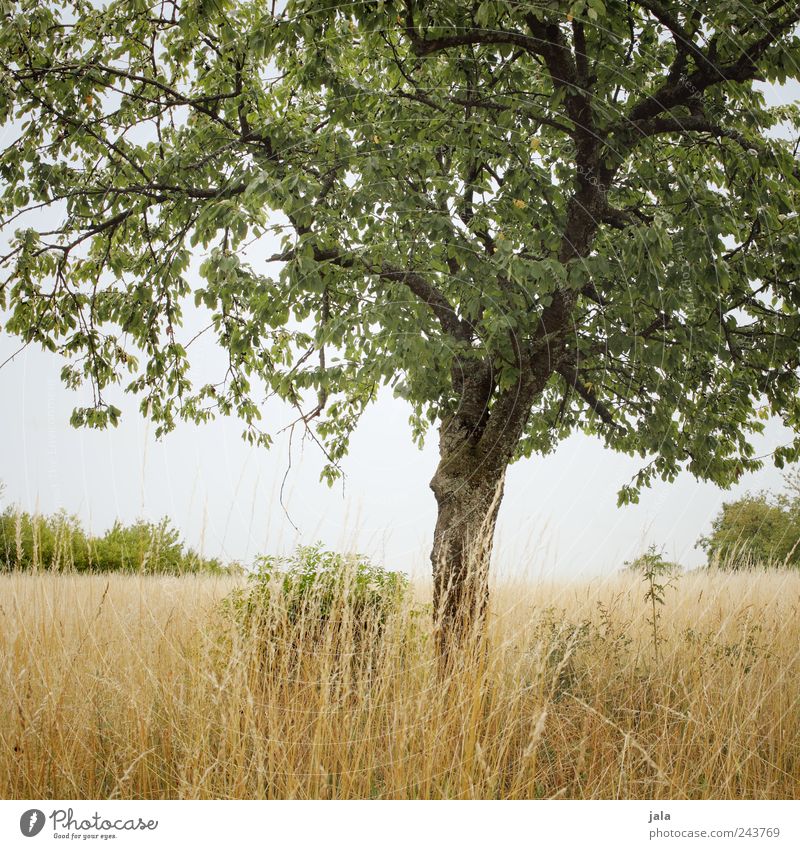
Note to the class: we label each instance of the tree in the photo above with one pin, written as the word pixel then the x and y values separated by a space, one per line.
pixel 759 529
pixel 526 218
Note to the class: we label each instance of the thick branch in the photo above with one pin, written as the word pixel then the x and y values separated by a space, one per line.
pixel 570 375
pixel 680 92
pixel 415 282
pixel 429 295
pixel 684 42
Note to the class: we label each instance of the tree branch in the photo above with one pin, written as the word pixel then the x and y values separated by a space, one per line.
pixel 570 375
pixel 414 282
pixel 672 93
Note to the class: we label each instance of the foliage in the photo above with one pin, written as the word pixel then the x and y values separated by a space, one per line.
pixel 59 543
pixel 51 542
pixel 652 558
pixel 760 529
pixel 318 586
pixel 529 218
pixel 317 602
pixel 134 546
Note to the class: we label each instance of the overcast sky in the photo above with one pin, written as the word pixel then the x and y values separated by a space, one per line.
pixel 558 517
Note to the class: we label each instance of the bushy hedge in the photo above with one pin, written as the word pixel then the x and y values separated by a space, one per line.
pixel 313 582
pixel 317 601
pixel 59 543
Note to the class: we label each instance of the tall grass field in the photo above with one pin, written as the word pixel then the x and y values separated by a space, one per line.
pixel 135 686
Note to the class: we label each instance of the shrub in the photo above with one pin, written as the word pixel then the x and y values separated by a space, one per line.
pixel 313 596
pixel 43 542
pixel 59 543
pixel 761 529
pixel 149 548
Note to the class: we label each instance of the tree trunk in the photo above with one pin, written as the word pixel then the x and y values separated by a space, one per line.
pixel 468 490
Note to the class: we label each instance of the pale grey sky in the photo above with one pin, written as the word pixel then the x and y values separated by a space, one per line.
pixel 559 514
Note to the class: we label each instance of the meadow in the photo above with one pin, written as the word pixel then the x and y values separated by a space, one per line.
pixel 143 686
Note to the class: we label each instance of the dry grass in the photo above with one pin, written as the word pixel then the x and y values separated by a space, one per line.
pixel 137 687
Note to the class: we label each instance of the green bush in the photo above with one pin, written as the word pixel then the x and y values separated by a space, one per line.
pixel 149 548
pixel 59 543
pixel 55 542
pixel 761 529
pixel 291 603
pixel 314 582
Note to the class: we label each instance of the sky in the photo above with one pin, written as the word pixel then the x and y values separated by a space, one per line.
pixel 558 518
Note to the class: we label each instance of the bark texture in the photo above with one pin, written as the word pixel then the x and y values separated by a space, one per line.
pixel 475 449
pixel 468 498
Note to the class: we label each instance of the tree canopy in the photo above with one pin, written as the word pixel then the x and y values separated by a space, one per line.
pixel 425 159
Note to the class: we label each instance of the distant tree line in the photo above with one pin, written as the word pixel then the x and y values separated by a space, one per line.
pixel 59 543
pixel 758 530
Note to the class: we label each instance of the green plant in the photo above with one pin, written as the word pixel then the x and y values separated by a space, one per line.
pixel 319 578
pixel 659 575
pixel 314 594
pixel 33 543
pixel 757 530
pixel 29 542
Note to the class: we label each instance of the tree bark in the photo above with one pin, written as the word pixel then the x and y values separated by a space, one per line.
pixel 468 486
pixel 476 445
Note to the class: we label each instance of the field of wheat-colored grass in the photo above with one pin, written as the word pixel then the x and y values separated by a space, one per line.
pixel 143 687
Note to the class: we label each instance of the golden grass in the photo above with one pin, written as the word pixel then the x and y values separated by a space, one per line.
pixel 132 687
